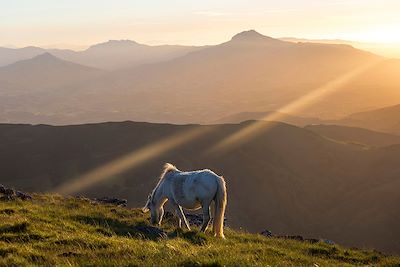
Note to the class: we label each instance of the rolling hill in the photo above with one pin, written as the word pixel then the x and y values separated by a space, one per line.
pixel 282 117
pixel 11 55
pixel 355 135
pixel 45 71
pixel 33 90
pixel 385 119
pixel 288 179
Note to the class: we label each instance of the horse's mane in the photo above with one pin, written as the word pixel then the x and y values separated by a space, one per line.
pixel 168 167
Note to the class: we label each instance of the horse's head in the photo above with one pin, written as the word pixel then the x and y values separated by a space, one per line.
pixel 146 207
pixel 156 210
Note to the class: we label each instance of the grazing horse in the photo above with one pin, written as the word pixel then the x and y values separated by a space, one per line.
pixel 191 190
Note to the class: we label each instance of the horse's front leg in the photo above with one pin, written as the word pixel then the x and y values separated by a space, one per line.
pixel 181 216
pixel 179 219
pixel 206 217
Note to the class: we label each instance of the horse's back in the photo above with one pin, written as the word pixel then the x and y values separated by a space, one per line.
pixel 194 187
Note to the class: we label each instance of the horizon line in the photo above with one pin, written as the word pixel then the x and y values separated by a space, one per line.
pixel 81 47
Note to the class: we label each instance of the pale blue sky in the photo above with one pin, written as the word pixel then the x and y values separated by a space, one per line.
pixel 84 22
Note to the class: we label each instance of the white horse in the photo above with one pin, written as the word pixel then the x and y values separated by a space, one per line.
pixel 190 190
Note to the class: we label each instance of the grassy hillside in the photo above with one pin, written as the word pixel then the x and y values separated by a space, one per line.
pixel 51 230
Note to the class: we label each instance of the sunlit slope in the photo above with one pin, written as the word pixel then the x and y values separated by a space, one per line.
pixel 287 179
pixel 385 119
pixel 50 230
pixel 376 88
pixel 249 72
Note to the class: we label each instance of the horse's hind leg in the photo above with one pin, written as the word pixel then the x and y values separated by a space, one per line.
pixel 206 217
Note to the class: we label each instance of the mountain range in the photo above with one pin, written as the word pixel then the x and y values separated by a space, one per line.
pixel 176 84
pixel 110 55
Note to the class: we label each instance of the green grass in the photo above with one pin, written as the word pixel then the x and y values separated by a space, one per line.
pixel 54 231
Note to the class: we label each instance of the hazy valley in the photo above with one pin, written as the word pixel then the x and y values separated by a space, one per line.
pixel 249 73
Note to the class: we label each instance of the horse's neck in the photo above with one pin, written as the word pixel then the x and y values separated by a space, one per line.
pixel 159 193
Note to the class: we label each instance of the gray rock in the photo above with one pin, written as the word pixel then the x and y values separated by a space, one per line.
pixel 266 233
pixel 113 201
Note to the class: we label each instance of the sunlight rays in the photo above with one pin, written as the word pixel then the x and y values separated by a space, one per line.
pixel 151 151
pixel 261 125
pixel 130 161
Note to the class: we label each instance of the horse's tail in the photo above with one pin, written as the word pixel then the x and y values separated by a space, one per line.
pixel 220 204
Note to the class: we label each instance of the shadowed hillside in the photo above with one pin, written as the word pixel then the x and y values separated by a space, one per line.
pixel 53 231
pixel 288 179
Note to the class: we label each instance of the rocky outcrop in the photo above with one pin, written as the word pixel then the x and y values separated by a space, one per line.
pixel 11 194
pixel 112 201
pixel 268 233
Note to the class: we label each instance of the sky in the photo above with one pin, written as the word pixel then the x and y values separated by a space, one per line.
pixel 74 24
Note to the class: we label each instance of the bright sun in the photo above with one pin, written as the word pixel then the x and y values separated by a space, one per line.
pixel 380 34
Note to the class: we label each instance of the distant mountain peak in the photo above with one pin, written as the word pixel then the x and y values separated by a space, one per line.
pixel 46 57
pixel 115 44
pixel 251 35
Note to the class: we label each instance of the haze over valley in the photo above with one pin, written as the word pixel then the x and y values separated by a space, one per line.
pixel 249 73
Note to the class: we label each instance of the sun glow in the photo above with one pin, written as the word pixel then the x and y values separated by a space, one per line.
pixel 262 125
pixel 142 155
pixel 379 34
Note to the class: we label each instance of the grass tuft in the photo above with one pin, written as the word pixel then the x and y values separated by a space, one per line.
pixel 14 228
